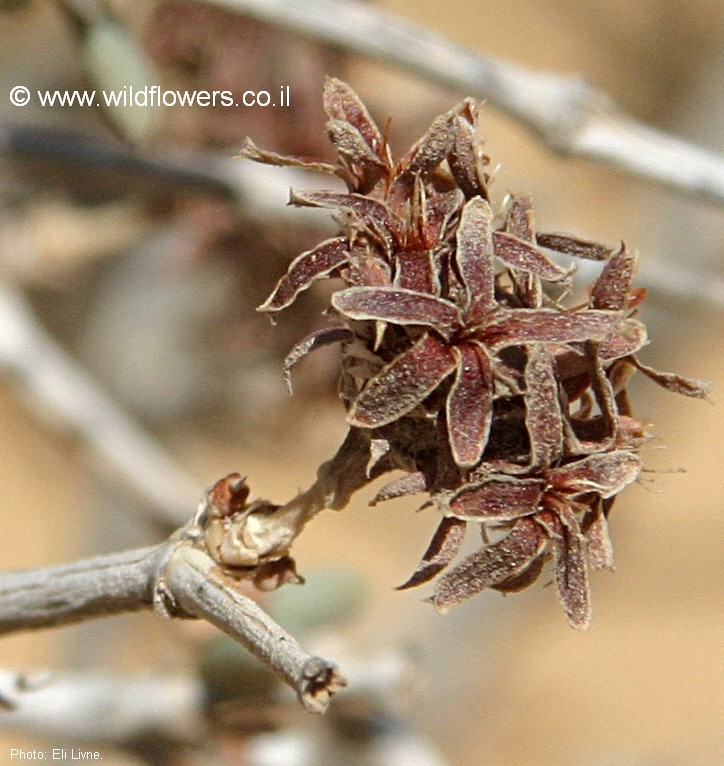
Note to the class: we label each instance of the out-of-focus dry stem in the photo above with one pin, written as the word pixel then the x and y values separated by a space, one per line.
pixel 568 115
pixel 70 397
pixel 107 708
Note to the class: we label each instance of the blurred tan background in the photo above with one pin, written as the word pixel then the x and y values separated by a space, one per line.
pixel 503 681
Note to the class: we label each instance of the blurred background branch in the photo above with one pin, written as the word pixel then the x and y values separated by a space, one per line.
pixel 568 115
pixel 71 399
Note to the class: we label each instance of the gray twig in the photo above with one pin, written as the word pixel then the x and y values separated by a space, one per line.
pixel 201 589
pixel 568 115
pixel 94 587
pixel 176 579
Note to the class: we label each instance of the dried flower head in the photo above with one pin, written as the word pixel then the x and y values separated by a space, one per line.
pixel 462 365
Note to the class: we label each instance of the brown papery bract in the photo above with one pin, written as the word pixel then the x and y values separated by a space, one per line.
pixel 460 362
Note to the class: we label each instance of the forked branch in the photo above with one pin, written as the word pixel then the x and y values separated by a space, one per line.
pixel 175 579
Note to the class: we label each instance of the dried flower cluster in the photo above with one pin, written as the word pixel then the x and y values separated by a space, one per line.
pixel 460 362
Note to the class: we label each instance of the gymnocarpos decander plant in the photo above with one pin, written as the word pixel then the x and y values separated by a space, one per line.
pixel 462 362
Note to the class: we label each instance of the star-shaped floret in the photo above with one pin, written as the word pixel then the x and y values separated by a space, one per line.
pixel 462 338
